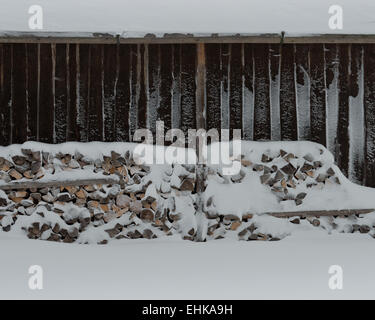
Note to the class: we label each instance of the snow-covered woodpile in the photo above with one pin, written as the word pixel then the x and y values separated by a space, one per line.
pixel 59 196
pixel 95 192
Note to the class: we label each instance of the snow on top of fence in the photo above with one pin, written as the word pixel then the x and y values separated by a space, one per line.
pixel 137 18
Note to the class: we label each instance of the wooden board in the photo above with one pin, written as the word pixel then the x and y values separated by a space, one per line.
pixel 317 95
pixel 235 99
pixel 109 91
pixel 121 120
pixel 46 102
pixel 288 110
pixel 369 104
pixel 61 93
pixel 95 105
pixel 262 116
pixel 33 83
pixel 19 98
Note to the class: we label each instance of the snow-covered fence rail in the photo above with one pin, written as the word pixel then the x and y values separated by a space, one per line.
pixel 104 88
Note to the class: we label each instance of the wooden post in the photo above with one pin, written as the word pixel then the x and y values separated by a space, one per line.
pixel 201 124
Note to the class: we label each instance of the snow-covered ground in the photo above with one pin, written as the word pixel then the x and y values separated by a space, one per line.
pixel 193 16
pixel 296 267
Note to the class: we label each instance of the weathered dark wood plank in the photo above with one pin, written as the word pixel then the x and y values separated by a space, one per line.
pixel 6 94
pixel 225 86
pixel 110 76
pixel 19 104
pixel 121 121
pixel 317 94
pixel 356 115
pixel 61 94
pixel 32 90
pixel 235 100
pixel 46 102
pixel 95 111
pixel 343 113
pixel 166 67
pixel 213 81
pixel 248 101
pixel 135 67
pixel 332 102
pixel 73 133
pixel 176 87
pixel 262 116
pixel 142 87
pixel 303 85
pixel 288 110
pixel 154 85
pixel 369 105
pixel 274 70
pixel 188 87
pixel 83 91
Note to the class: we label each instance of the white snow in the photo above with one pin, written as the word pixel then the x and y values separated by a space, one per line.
pixel 294 268
pixel 132 18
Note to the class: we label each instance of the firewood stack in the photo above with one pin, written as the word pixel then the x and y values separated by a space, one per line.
pixel 289 178
pixel 138 206
pixel 154 201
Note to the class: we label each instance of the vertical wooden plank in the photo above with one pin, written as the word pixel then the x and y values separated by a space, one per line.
pixel 188 87
pixel 332 95
pixel 83 89
pixel 369 104
pixel 135 64
pixel 32 90
pixel 61 94
pixel 213 81
pixel 317 94
pixel 288 112
pixel 73 133
pixel 274 67
pixel 201 172
pixel 235 100
pixel 343 122
pixel 225 85
pixel 142 85
pixel 166 65
pixel 248 92
pixel 6 94
pixel 262 117
pixel 154 85
pixel 121 122
pixel 109 90
pixel 176 87
pixel 19 105
pixel 200 93
pixel 46 102
pixel 356 115
pixel 95 110
pixel 302 60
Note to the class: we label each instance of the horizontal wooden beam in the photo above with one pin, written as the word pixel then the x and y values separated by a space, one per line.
pixel 107 38
pixel 320 213
pixel 20 185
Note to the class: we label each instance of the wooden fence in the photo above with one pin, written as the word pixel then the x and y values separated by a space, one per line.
pixel 56 92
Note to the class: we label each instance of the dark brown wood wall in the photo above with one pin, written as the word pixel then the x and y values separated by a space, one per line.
pixel 88 92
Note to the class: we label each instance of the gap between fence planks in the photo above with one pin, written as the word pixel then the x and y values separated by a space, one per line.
pixel 54 183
